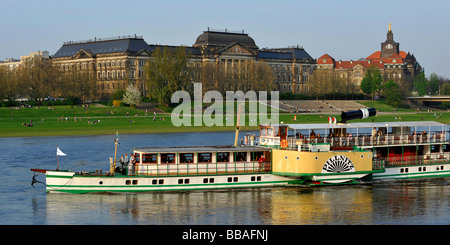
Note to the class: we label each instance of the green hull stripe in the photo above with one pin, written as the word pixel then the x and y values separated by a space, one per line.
pixel 138 188
pixel 416 175
pixel 320 174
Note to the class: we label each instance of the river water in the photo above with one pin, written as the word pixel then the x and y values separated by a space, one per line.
pixel 422 202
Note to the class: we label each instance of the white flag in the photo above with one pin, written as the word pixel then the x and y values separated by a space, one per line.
pixel 59 152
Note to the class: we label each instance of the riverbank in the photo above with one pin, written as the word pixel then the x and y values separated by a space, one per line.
pixel 100 120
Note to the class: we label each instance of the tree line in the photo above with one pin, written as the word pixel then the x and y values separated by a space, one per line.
pixel 40 80
pixel 170 70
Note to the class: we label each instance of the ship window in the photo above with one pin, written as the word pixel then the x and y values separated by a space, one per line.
pixel 186 181
pixel 211 180
pixel 135 182
pixel 205 180
pixel 168 158
pixel 223 156
pixel 298 158
pixel 442 167
pixel 446 148
pixel 253 178
pixel 149 158
pixel 186 157
pixel 258 178
pixel 286 157
pixel 424 168
pixel 229 179
pixel 241 157
pixel 256 155
pixel 434 148
pixel 235 179
pixel 180 181
pixel 161 181
pixel 204 157
pixel 154 182
pixel 137 157
pixel 127 182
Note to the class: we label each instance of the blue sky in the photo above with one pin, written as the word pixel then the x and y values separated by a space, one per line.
pixel 344 29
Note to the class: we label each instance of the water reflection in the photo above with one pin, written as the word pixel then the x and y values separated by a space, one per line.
pixel 399 202
pixel 425 202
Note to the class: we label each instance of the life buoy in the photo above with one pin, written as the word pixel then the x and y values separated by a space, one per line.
pixel 284 143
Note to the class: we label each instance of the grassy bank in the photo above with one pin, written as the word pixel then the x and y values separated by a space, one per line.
pixel 67 120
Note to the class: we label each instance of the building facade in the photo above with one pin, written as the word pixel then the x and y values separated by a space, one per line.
pixel 291 66
pixel 393 64
pixel 117 62
pixel 113 62
pixel 16 63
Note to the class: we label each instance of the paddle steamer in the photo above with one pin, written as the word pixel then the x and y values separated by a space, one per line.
pixel 284 154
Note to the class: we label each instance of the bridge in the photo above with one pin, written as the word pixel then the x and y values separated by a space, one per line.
pixel 439 98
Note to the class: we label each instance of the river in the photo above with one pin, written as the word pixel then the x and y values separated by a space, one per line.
pixel 421 202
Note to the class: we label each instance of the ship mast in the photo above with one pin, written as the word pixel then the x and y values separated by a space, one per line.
pixel 237 126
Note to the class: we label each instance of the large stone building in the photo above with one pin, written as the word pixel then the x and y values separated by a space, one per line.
pixel 12 63
pixel 291 66
pixel 117 62
pixel 396 65
pixel 114 62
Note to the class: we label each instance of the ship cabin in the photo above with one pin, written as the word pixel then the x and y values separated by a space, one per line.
pixel 394 143
pixel 269 135
pixel 200 160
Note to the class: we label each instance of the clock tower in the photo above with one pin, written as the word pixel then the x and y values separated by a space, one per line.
pixel 389 47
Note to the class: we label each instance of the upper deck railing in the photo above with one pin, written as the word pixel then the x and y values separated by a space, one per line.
pixel 366 140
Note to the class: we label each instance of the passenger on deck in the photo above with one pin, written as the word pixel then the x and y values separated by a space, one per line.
pixel 122 162
pixel 131 165
pixel 261 162
pixel 312 135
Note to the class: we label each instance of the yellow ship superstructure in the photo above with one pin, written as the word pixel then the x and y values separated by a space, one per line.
pixel 322 166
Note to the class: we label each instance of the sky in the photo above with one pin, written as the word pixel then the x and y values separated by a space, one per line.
pixel 346 30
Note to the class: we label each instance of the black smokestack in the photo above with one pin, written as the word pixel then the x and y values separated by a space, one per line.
pixel 358 114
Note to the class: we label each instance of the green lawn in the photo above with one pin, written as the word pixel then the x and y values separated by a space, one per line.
pixel 49 122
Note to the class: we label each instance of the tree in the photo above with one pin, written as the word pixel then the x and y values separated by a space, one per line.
pixel 433 84
pixel 167 72
pixel 371 82
pixel 79 84
pixel 392 93
pixel 319 83
pixel 9 86
pixel 420 84
pixel 132 95
pixel 36 78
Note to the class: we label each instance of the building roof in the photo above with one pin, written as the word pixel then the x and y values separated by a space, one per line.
pixel 224 38
pixel 189 50
pixel 95 47
pixel 325 59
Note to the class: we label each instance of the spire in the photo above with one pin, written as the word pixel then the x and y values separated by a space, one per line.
pixel 390 27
